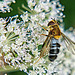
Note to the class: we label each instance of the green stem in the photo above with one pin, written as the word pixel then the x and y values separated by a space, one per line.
pixel 26 8
pixel 11 35
pixel 8 69
pixel 31 11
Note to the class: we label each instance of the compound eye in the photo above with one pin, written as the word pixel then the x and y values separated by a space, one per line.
pixel 51 23
pixel 58 23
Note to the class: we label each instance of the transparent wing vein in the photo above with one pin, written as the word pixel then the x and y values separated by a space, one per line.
pixel 69 43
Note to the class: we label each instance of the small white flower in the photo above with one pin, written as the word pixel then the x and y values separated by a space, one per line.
pixel 28 58
pixel 1 44
pixel 6 48
pixel 32 72
pixel 23 67
pixel 2 30
pixel 67 62
pixel 41 70
pixel 42 16
pixel 18 42
pixel 38 8
pixel 8 57
pixel 35 53
pixel 3 37
pixel 13 62
pixel 50 69
pixel 34 18
pixel 17 31
pixel 31 3
pixel 4 5
pixel 13 46
pixel 10 28
pixel 25 17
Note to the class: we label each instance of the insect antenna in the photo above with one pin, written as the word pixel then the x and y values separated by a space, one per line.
pixel 53 19
pixel 42 26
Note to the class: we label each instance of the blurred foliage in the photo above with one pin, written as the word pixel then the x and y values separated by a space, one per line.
pixel 17 73
pixel 69 20
pixel 69 12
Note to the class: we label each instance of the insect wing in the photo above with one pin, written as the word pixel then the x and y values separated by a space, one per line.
pixel 69 43
pixel 46 47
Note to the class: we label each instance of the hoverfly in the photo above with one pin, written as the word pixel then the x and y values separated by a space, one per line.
pixel 51 44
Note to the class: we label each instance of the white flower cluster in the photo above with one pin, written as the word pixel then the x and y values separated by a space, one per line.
pixel 20 41
pixel 4 5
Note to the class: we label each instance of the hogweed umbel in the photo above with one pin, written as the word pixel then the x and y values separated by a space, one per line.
pixel 20 43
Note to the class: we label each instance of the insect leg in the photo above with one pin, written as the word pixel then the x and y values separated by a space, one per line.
pixel 43 34
pixel 37 60
pixel 42 27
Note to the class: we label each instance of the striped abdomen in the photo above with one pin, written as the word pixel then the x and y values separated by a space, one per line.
pixel 54 49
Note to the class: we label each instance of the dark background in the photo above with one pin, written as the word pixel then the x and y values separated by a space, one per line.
pixel 69 20
pixel 69 12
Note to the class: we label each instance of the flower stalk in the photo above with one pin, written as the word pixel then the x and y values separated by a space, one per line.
pixel 8 69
